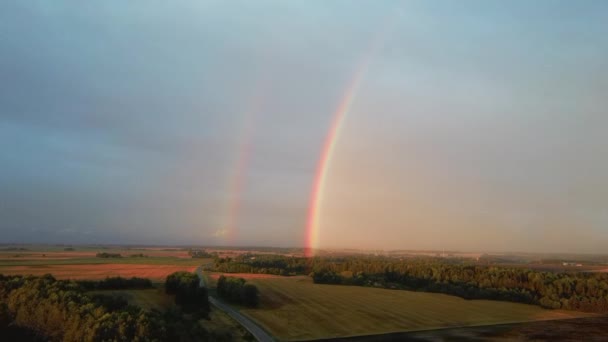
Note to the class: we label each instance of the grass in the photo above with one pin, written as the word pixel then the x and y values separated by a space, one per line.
pixel 224 327
pixel 296 309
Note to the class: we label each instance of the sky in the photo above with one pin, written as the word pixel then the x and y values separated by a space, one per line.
pixel 475 125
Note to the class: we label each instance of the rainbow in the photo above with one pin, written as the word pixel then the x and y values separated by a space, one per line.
pixel 237 185
pixel 319 183
pixel 240 166
pixel 333 135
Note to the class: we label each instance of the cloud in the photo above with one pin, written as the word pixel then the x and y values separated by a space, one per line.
pixel 123 122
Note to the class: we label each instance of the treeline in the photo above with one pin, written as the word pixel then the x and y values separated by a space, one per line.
pixel 138 255
pixel 237 291
pixel 116 283
pixel 264 264
pixel 572 291
pixel 188 293
pixel 108 255
pixel 60 311
pixel 460 277
pixel 43 308
pixel 199 253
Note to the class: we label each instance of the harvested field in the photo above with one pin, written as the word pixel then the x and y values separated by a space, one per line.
pixel 296 309
pixel 90 254
pixel 46 255
pixel 101 271
pixel 96 261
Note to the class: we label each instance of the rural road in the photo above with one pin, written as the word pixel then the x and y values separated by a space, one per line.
pixel 247 323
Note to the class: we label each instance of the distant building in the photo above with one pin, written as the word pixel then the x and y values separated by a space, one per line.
pixel 577 264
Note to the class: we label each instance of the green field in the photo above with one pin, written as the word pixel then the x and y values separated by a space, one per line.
pixel 297 309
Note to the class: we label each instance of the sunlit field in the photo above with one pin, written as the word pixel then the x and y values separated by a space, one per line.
pixel 296 309
pixel 82 263
pixel 155 273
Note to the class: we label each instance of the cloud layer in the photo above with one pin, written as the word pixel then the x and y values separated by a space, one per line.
pixel 477 126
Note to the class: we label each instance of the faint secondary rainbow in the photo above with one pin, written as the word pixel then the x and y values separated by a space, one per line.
pixel 240 167
pixel 332 137
pixel 237 185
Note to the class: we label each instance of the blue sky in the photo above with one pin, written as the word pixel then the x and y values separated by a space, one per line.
pixel 483 121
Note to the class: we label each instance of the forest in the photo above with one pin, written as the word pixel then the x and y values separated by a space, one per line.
pixel 460 277
pixel 43 308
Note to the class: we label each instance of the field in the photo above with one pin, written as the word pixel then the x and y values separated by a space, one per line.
pixel 81 262
pixel 97 271
pixel 296 309
pixel 578 329
pixel 6 262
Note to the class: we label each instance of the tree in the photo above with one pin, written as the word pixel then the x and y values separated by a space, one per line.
pixel 235 290
pixel 188 294
pixel 250 296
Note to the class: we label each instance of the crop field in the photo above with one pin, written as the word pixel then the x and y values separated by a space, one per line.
pixel 5 262
pixel 296 309
pixel 97 271
pixel 81 262
pixel 44 255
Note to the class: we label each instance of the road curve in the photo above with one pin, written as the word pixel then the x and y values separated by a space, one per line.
pixel 247 323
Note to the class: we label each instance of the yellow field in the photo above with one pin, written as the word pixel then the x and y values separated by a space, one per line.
pixel 295 309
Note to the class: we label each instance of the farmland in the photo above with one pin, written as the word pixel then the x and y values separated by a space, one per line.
pixel 296 309
pixel 81 263
pixel 155 273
